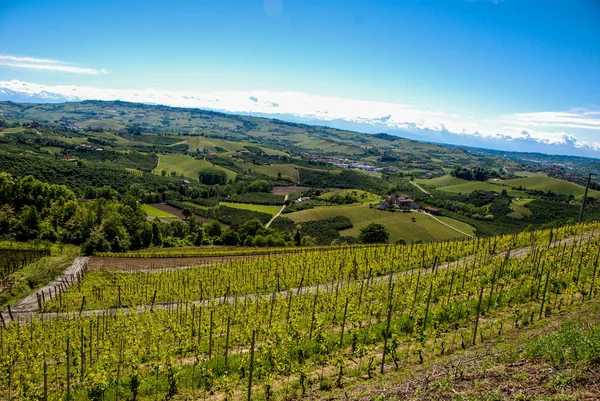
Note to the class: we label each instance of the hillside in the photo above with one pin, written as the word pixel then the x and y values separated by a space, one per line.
pixel 394 270
pixel 200 163
pixel 475 319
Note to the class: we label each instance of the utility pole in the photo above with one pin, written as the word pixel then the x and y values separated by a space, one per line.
pixel 587 187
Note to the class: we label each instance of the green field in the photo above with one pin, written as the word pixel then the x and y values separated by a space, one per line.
pixel 527 180
pixel 363 196
pixel 207 144
pixel 459 225
pixel 287 170
pixel 399 225
pixel 154 212
pixel 444 180
pixel 272 210
pixel 202 143
pixel 519 209
pixel 186 166
pixel 541 182
pixel 469 186
pixel 51 149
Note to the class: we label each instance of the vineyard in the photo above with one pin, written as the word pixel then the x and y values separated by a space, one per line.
pixel 15 258
pixel 283 325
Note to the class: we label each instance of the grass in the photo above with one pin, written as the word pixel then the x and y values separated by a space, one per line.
pixel 469 186
pixel 323 145
pixel 272 210
pixel 214 145
pixel 51 149
pixel 211 144
pixel 519 209
pixel 541 182
pixel 363 196
pixel 459 225
pixel 154 212
pixel 442 181
pixel 287 170
pixel 575 342
pixel 38 274
pixel 399 225
pixel 186 166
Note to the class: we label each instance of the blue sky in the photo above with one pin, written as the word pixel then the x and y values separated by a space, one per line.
pixel 478 58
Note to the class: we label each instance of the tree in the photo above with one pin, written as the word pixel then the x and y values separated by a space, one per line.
pixel 30 221
pixel 137 191
pixel 212 176
pixel 230 237
pixel 259 186
pixel 374 233
pixel 251 227
pixel 134 129
pixel 187 213
pixel 213 229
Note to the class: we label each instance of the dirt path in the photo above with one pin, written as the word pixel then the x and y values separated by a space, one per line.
pixel 420 188
pixel 278 213
pixel 29 304
pixel 514 253
pixel 446 224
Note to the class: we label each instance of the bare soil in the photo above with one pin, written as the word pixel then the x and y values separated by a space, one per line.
pixel 287 190
pixel 168 209
pixel 175 212
pixel 125 264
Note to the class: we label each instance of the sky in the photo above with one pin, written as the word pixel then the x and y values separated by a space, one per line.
pixel 510 67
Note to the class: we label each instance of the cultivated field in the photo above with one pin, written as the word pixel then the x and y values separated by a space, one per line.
pixel 186 166
pixel 155 212
pixel 469 186
pixel 363 196
pixel 541 182
pixel 303 325
pixel 444 181
pixel 272 210
pixel 287 170
pixel 400 225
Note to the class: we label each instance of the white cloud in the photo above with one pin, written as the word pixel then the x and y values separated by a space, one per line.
pixel 32 63
pixel 571 119
pixel 27 59
pixel 544 127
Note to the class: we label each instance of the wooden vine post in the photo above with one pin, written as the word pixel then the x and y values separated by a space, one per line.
pixel 477 317
pixel 251 365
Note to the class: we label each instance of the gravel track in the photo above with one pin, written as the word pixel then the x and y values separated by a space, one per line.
pixel 29 309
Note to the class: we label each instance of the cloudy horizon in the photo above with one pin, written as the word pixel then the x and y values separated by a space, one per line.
pixel 550 127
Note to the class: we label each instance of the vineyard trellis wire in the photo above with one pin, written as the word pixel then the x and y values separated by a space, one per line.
pixel 202 348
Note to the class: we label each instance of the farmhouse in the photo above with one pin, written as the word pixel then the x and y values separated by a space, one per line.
pixel 402 201
pixel 433 211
